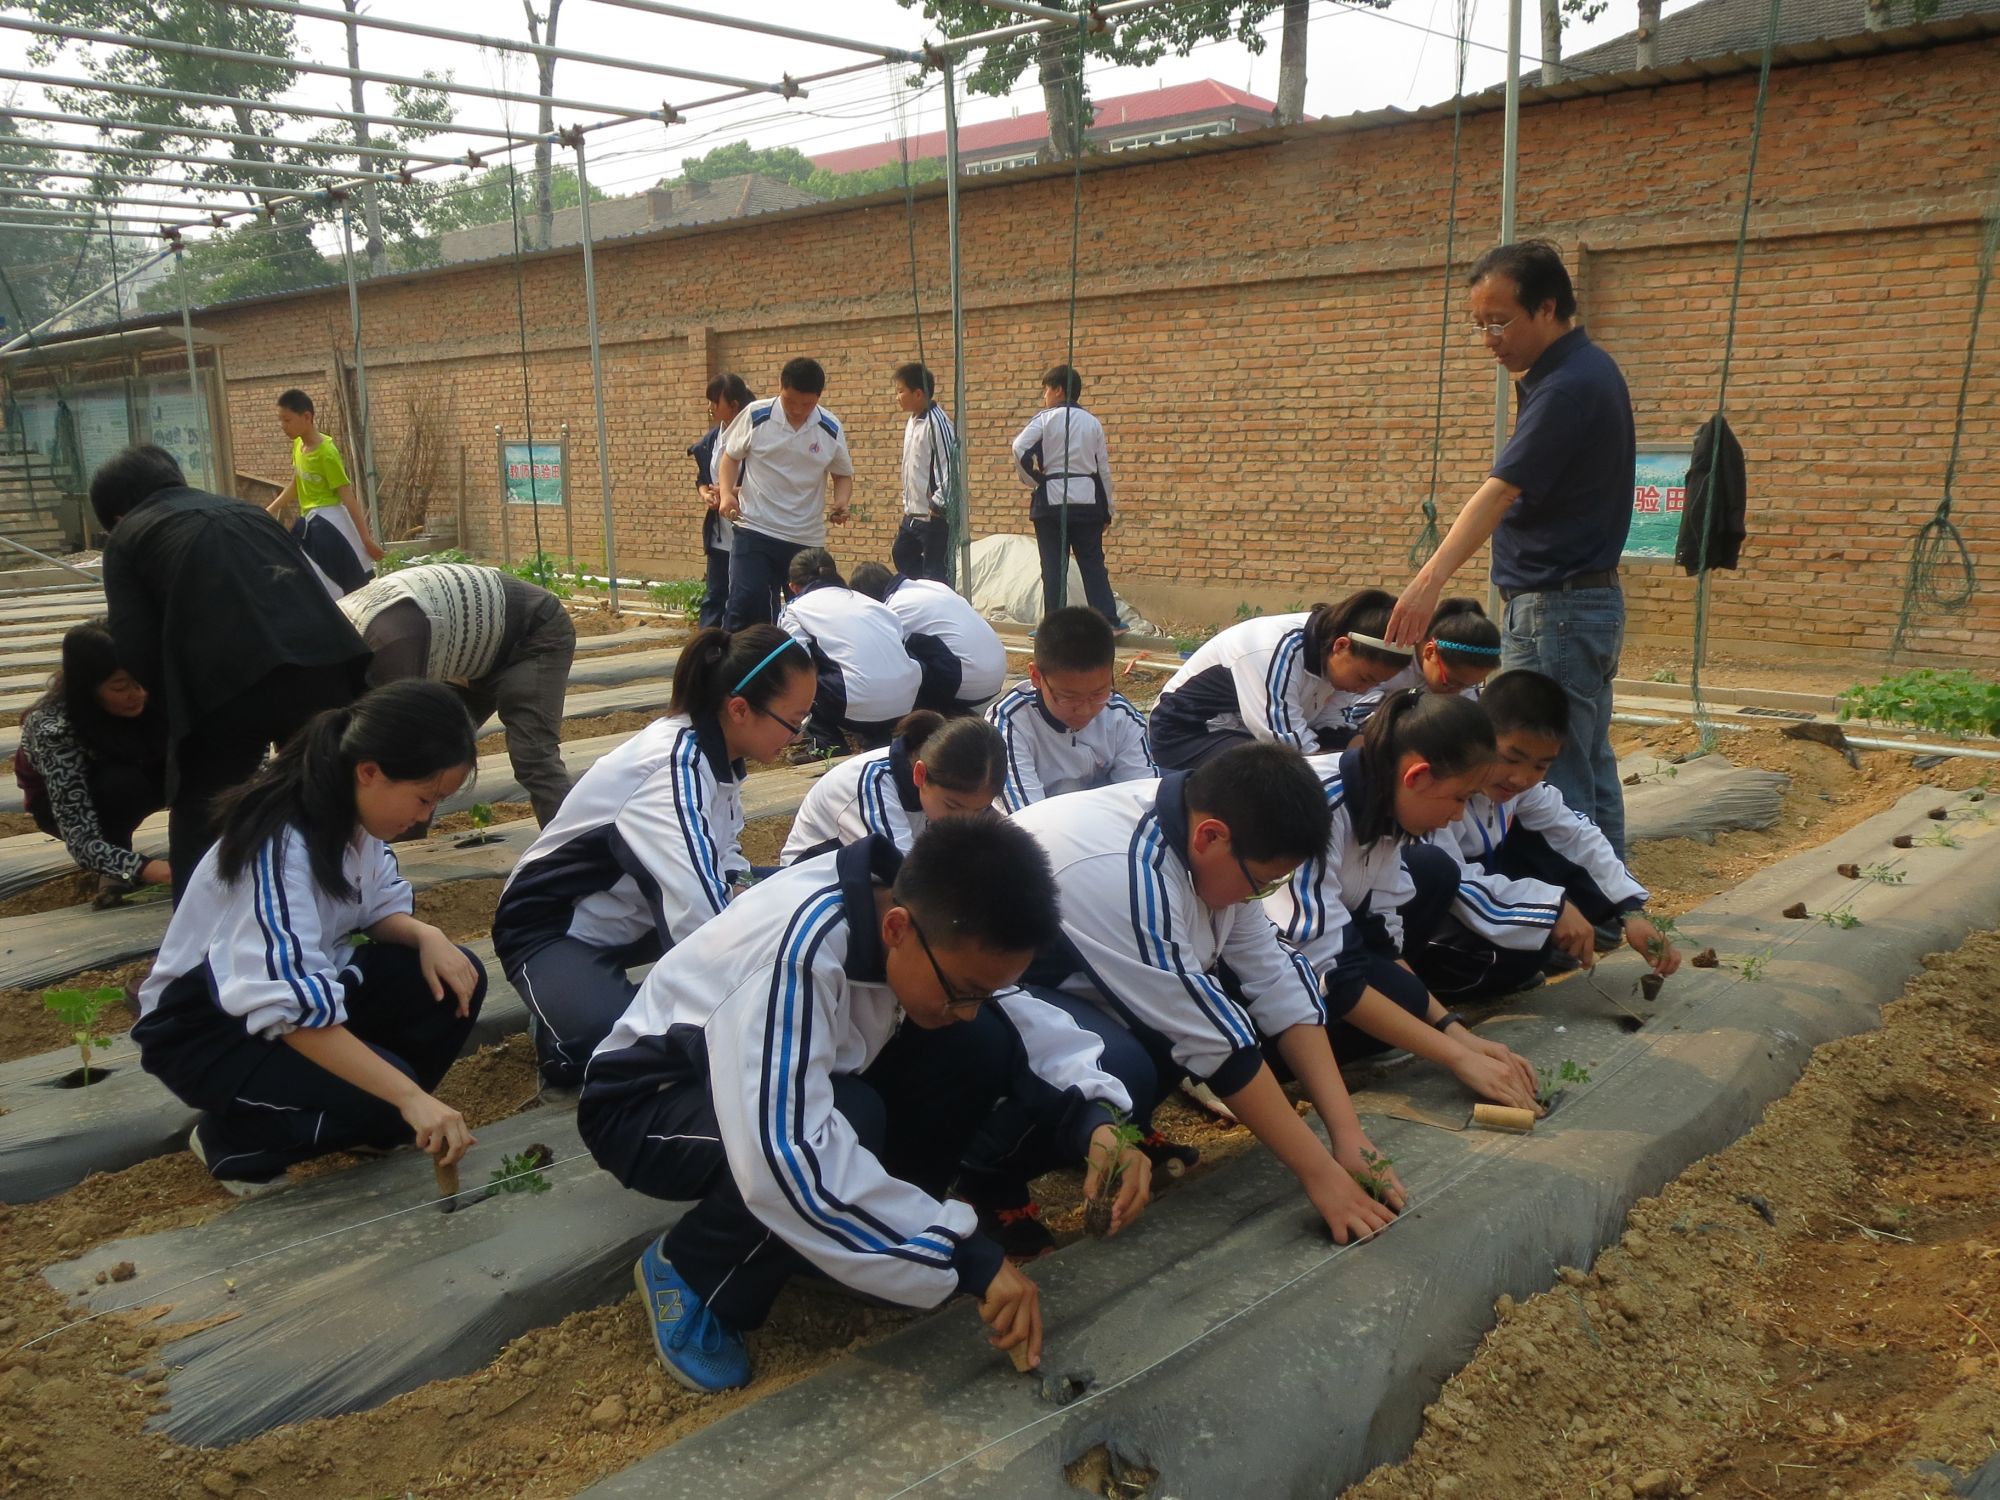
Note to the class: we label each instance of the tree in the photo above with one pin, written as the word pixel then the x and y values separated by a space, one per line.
pixel 542 32
pixel 825 184
pixel 241 262
pixel 785 162
pixel 1058 55
pixel 1556 14
pixel 1292 63
pixel 1646 38
pixel 490 198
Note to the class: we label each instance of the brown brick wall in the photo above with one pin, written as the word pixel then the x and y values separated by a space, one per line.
pixel 1258 328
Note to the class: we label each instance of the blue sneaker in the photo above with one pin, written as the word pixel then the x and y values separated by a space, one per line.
pixel 697 1350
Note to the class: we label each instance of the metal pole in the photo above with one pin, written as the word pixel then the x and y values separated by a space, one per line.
pixel 100 200
pixel 210 479
pixel 22 169
pixel 596 367
pixel 55 562
pixel 569 521
pixel 28 336
pixel 60 219
pixel 961 498
pixel 134 153
pixel 1510 153
pixel 244 138
pixel 360 379
pixel 765 28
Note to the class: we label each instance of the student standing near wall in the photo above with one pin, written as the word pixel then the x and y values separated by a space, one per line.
pixel 727 396
pixel 1061 453
pixel 922 548
pixel 332 525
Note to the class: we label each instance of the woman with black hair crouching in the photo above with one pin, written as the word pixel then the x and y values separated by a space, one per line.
pixel 264 1011
pixel 93 763
pixel 648 844
pixel 867 680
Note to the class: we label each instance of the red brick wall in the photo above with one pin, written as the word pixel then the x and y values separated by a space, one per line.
pixel 1259 331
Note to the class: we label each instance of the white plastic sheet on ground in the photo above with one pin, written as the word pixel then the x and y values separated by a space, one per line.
pixel 1007 584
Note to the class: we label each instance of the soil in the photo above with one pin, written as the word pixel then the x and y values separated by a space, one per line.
pixel 597 619
pixel 461 822
pixel 630 721
pixel 1715 1354
pixel 764 837
pixel 461 909
pixel 493 1083
pixel 14 824
pixel 26 1028
pixel 77 888
pixel 655 643
pixel 1642 664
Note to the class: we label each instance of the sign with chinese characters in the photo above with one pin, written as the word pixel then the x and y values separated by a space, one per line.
pixel 178 422
pixel 534 473
pixel 1659 495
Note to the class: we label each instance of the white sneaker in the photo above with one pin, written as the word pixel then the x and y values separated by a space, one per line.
pixel 236 1186
pixel 1203 1095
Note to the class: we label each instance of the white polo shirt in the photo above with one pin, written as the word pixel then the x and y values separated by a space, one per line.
pixel 782 481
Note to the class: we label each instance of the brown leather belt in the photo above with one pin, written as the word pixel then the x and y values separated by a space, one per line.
pixel 1604 578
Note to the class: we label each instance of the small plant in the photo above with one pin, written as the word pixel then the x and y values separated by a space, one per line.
pixel 1946 702
pixel 1939 838
pixel 1374 1175
pixel 542 569
pixel 1668 929
pixel 1838 917
pixel 1881 874
pixel 80 1011
pixel 1752 966
pixel 680 594
pixel 1555 1080
pixel 521 1173
pixel 1665 674
pixel 480 815
pixel 1097 1211
pixel 1187 645
pixel 1247 611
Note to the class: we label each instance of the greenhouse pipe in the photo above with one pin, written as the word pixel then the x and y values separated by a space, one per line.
pixel 765 28
pixel 62 312
pixel 960 44
pixel 361 378
pixel 239 137
pixel 134 153
pixel 210 479
pixel 575 139
pixel 960 488
pixel 108 201
pixel 1859 742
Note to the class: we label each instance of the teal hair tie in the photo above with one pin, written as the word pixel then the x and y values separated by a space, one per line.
pixel 1444 645
pixel 782 646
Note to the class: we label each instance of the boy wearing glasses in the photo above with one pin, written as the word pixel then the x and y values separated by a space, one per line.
pixel 1065 728
pixel 1161 883
pixel 809 1068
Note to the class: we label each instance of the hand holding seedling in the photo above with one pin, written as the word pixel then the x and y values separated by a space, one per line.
pixel 445 967
pixel 1575 936
pixel 1370 1170
pixel 1012 1309
pixel 1349 1212
pixel 1116 1166
pixel 1651 944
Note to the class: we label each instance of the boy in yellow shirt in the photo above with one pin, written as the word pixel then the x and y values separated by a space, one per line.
pixel 332 527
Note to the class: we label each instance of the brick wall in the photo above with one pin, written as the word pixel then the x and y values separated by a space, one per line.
pixel 1259 331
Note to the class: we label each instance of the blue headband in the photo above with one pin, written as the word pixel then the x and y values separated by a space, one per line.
pixel 786 644
pixel 1444 645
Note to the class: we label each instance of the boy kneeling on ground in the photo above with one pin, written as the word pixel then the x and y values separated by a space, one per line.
pixel 765 1070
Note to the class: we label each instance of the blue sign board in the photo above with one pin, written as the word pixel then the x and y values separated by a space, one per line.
pixel 1659 495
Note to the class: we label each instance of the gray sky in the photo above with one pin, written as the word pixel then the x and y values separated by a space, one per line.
pixel 1359 60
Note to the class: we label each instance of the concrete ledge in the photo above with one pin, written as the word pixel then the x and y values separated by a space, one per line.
pixel 1230 1346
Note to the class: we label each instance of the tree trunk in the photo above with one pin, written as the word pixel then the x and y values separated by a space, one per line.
pixel 1292 64
pixel 545 76
pixel 1062 96
pixel 1552 42
pixel 1646 39
pixel 371 208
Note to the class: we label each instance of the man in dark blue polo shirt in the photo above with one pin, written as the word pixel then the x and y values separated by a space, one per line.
pixel 1558 505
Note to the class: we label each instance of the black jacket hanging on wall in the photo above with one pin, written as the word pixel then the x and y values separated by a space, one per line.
pixel 1716 500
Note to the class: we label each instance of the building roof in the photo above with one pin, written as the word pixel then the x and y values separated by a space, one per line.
pixel 1147 107
pixel 1717 27
pixel 673 205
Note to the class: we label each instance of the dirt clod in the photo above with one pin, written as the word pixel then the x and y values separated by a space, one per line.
pixel 1852 872
pixel 1796 911
pixel 608 1415
pixel 1705 959
pixel 124 1271
pixel 1903 841
pixel 1653 1482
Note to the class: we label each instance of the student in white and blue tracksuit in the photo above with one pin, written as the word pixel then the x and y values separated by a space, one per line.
pixel 1457 654
pixel 727 396
pixel 1066 729
pixel 922 548
pixel 263 1011
pixel 1372 896
pixel 810 1067
pixel 867 679
pixel 648 843
pixel 934 768
pixel 1288 678
pixel 1160 885
pixel 963 659
pixel 1519 829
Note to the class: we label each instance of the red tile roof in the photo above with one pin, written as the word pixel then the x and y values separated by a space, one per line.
pixel 1147 107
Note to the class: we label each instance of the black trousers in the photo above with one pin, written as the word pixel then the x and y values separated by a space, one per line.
pixel 1369 961
pixel 917 1108
pixel 922 548
pixel 1459 964
pixel 230 742
pixel 758 566
pixel 575 993
pixel 715 590
pixel 123 795
pixel 288 1108
pixel 1086 545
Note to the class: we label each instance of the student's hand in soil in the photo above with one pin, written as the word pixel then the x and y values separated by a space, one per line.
pixel 446 967
pixel 440 1130
pixel 1012 1308
pixel 1493 1072
pixel 1575 936
pixel 1651 944
pixel 1134 1186
pixel 1350 1213
pixel 1357 1153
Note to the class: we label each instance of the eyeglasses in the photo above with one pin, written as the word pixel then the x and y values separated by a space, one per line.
pixel 1495 330
pixel 794 730
pixel 1258 889
pixel 964 1001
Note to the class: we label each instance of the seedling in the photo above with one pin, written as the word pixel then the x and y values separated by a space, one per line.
pixel 1938 838
pixel 1752 966
pixel 80 1011
pixel 1665 674
pixel 681 594
pixel 1374 1175
pixel 1555 1080
pixel 1881 874
pixel 521 1173
pixel 1668 929
pixel 1944 702
pixel 1097 1211
pixel 544 570
pixel 481 817
pixel 1839 917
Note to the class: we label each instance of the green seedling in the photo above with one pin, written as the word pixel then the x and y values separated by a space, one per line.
pixel 681 594
pixel 1665 674
pixel 1097 1211
pixel 1882 874
pixel 1374 1175
pixel 1187 645
pixel 80 1011
pixel 1555 1080
pixel 544 570
pixel 1938 838
pixel 1752 966
pixel 1248 611
pixel 1669 929
pixel 521 1173
pixel 480 815
pixel 1838 918
pixel 1942 702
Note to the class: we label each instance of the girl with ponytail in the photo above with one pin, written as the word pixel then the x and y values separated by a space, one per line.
pixel 263 1010
pixel 648 844
pixel 934 768
pixel 867 681
pixel 1459 651
pixel 1288 678
pixel 1382 887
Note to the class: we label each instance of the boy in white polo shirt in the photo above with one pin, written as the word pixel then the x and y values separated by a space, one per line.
pixel 772 470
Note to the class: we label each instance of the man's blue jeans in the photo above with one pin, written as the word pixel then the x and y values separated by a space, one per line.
pixel 1576 638
pixel 758 565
